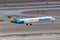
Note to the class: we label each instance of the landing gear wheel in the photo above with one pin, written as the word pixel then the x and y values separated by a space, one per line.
pixel 26 23
pixel 31 24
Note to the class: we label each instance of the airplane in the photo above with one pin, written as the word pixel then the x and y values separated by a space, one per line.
pixel 29 21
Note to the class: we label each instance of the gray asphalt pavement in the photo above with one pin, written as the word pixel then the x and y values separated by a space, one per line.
pixel 30 7
pixel 19 10
pixel 7 27
pixel 45 29
pixel 22 1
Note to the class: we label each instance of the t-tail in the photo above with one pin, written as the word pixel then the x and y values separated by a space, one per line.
pixel 11 18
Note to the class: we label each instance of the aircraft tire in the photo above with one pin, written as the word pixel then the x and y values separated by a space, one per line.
pixel 30 24
pixel 26 23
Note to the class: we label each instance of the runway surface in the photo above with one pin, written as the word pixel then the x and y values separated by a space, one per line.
pixel 24 1
pixel 7 27
pixel 10 31
pixel 26 12
pixel 19 10
pixel 38 31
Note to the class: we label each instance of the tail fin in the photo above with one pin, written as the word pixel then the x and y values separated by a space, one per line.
pixel 11 18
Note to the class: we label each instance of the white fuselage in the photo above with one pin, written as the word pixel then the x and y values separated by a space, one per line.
pixel 38 19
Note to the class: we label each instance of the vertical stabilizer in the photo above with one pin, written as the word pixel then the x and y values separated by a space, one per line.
pixel 11 18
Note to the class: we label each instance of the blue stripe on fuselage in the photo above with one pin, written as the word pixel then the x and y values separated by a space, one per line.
pixel 14 21
pixel 18 21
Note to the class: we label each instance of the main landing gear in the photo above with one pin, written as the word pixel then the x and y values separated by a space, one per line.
pixel 29 24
